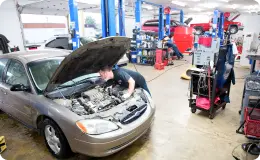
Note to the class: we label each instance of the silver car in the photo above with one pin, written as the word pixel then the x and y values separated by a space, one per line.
pixel 62 96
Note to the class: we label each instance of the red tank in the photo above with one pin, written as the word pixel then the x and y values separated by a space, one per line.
pixel 184 38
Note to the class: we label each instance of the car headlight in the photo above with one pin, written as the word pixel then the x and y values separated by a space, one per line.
pixel 149 98
pixel 96 126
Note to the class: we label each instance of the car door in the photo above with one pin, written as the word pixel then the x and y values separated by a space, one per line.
pixel 17 103
pixel 3 63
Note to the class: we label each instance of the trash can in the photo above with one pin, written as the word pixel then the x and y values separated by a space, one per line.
pixel 134 56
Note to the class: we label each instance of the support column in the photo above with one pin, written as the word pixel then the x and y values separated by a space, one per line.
pixel 108 18
pixel 11 24
pixel 74 23
pixel 221 27
pixel 161 23
pixel 168 24
pixel 121 17
pixel 214 23
pixel 181 17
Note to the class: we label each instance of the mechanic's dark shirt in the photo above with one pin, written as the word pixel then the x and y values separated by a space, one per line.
pixel 122 76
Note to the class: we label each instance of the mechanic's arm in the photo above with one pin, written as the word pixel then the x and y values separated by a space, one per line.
pixel 131 86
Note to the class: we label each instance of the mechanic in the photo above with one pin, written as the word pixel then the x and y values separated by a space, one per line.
pixel 124 77
pixel 168 42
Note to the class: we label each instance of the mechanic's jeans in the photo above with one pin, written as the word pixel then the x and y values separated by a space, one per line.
pixel 177 52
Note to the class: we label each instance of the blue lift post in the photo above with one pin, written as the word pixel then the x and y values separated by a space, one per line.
pixel 215 23
pixel 74 23
pixel 221 28
pixel 108 18
pixel 161 23
pixel 181 17
pixel 168 24
pixel 121 17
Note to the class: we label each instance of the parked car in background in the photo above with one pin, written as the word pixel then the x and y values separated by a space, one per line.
pixel 200 28
pixel 62 42
pixel 152 25
pixel 63 97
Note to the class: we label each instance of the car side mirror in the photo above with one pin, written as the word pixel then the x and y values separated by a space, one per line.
pixel 20 87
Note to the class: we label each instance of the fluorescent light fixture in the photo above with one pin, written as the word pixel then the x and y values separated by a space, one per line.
pixel 1 1
pixel 196 9
pixel 179 3
pixel 233 6
pixel 209 5
pixel 149 7
pixel 252 7
pixel 258 1
pixel 224 0
pixel 208 13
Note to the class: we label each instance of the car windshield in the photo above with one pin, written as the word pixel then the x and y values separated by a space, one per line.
pixel 42 71
pixel 85 40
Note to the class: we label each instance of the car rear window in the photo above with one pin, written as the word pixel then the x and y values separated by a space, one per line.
pixel 156 23
pixel 153 23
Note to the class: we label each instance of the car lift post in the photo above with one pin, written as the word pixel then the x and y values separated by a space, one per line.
pixel 121 17
pixel 161 23
pixel 181 17
pixel 108 18
pixel 214 23
pixel 168 23
pixel 220 28
pixel 74 23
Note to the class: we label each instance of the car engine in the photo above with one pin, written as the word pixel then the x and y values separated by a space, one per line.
pixel 106 103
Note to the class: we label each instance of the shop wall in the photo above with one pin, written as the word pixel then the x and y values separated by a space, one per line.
pixel 250 22
pixel 10 23
pixel 35 34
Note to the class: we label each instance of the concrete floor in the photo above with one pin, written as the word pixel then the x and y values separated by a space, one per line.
pixel 176 133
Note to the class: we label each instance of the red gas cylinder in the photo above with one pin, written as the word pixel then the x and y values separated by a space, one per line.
pixel 158 59
pixel 184 38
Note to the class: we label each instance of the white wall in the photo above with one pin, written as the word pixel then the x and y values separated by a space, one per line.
pixel 250 22
pixel 39 35
pixel 10 24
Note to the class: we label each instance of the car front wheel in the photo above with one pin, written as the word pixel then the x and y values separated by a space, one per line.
pixel 55 140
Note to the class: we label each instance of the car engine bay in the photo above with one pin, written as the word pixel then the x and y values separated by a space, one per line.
pixel 107 103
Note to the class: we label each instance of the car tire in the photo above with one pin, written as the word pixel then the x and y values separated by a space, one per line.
pixel 55 140
pixel 233 29
pixel 199 30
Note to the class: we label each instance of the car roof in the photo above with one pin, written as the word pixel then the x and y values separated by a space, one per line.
pixel 29 56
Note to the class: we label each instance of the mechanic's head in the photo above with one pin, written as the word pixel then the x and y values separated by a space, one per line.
pixel 106 73
pixel 165 38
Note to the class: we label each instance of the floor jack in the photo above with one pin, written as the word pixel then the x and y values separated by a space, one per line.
pixel 2 144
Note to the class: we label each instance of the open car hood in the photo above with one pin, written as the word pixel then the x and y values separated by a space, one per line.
pixel 89 58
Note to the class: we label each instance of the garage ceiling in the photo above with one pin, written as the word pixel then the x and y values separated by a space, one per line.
pixel 60 7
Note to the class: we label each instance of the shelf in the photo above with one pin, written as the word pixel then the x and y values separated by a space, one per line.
pixel 145 56
pixel 147 48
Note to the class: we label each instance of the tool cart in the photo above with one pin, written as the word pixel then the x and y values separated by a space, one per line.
pixel 210 85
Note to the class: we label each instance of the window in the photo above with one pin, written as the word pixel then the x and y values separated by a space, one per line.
pixel 2 67
pixel 16 74
pixel 59 42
